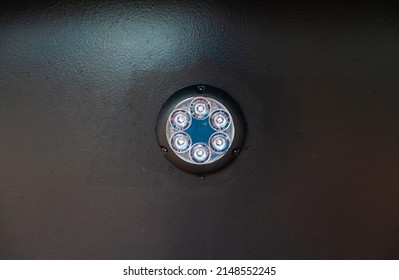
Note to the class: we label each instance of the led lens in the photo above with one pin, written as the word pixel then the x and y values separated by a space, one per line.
pixel 181 142
pixel 200 108
pixel 219 143
pixel 180 119
pixel 200 129
pixel 220 120
pixel 200 153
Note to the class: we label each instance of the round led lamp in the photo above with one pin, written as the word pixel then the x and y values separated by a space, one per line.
pixel 200 129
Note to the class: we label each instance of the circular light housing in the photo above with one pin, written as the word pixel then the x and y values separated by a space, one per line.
pixel 200 129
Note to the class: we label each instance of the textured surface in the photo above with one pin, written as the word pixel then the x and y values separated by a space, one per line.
pixel 80 172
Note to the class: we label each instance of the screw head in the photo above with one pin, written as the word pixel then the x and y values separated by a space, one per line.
pixel 200 89
pixel 235 152
pixel 164 150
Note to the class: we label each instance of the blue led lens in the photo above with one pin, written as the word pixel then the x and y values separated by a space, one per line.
pixel 181 142
pixel 200 108
pixel 220 120
pixel 180 119
pixel 219 143
pixel 200 153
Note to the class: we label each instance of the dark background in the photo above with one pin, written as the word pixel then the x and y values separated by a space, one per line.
pixel 81 176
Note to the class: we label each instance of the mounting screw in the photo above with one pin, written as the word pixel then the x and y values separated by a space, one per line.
pixel 200 89
pixel 235 152
pixel 164 150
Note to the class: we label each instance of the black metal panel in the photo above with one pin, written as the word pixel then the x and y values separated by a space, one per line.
pixel 81 174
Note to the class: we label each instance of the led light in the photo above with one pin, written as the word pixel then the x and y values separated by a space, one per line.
pixel 220 120
pixel 219 143
pixel 200 153
pixel 200 129
pixel 180 142
pixel 180 119
pixel 203 119
pixel 200 108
